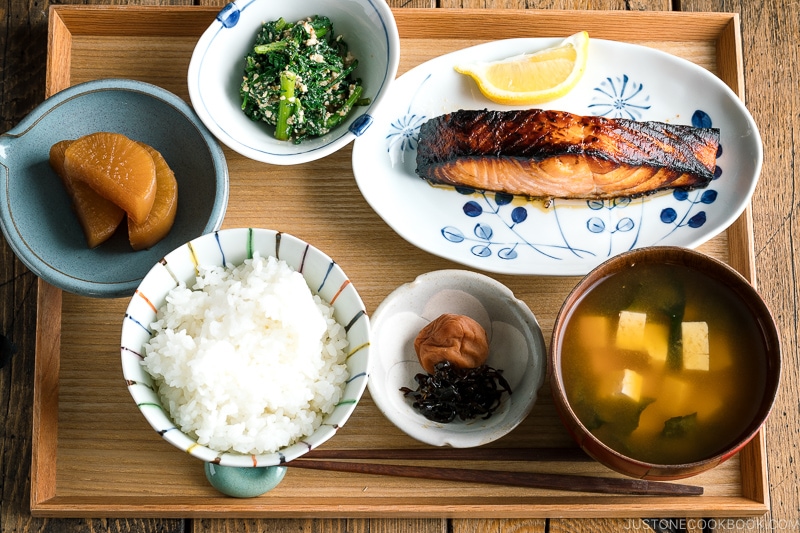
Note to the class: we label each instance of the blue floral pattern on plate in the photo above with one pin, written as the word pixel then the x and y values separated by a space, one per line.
pixel 619 97
pixel 506 234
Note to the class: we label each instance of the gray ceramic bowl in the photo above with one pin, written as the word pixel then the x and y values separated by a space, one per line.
pixel 35 211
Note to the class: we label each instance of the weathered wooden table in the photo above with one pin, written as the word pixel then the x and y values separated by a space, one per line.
pixel 769 72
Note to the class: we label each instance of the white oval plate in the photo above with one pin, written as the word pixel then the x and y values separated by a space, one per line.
pixel 570 237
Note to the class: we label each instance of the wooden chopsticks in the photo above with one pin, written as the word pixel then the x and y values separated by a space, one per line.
pixel 341 461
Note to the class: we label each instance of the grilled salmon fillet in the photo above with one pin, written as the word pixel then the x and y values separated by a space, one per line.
pixel 555 154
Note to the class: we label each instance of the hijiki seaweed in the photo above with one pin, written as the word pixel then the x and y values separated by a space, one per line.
pixel 452 392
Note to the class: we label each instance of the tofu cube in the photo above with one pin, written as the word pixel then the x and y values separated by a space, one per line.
pixel 593 331
pixel 656 342
pixel 723 353
pixel 651 421
pixel 709 404
pixel 630 330
pixel 622 383
pixel 601 361
pixel 694 336
pixel 631 385
pixel 675 398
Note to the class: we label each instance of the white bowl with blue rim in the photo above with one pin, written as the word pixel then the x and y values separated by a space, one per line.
pixel 35 210
pixel 237 474
pixel 217 65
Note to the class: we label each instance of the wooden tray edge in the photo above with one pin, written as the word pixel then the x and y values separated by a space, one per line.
pixel 45 394
pixel 603 24
pixel 724 27
pixel 59 53
pixel 741 251
pixel 155 507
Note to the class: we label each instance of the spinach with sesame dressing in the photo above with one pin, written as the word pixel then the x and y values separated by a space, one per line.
pixel 299 79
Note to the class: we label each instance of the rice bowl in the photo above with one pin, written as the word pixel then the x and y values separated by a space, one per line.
pixel 339 301
pixel 247 359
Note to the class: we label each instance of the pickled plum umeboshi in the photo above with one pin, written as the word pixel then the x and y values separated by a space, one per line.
pixel 99 218
pixel 457 339
pixel 162 214
pixel 117 168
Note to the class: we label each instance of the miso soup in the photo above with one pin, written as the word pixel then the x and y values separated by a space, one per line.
pixel 662 364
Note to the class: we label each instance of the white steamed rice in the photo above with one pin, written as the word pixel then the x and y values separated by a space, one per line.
pixel 247 360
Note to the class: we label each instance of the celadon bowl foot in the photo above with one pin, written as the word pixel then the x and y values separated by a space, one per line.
pixel 242 482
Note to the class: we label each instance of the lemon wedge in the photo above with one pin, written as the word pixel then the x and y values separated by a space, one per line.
pixel 532 78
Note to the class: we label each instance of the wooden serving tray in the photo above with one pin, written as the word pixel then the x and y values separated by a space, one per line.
pixel 95 455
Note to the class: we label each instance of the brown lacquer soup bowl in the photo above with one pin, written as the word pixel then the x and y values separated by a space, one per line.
pixel 665 363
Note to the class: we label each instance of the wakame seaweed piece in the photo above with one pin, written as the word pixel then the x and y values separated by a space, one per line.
pixel 680 426
pixel 588 415
pixel 451 392
pixel 583 403
pixel 670 300
pixel 666 298
pixel 621 412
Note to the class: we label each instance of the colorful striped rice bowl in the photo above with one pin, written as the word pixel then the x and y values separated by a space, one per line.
pixel 246 347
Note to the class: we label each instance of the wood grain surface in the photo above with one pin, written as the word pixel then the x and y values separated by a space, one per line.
pixel 770 31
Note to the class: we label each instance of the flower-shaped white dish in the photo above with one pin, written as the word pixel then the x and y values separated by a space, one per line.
pixel 511 235
pixel 217 67
pixel 516 347
pixel 231 247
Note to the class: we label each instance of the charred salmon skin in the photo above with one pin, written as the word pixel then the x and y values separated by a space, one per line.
pixel 556 154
